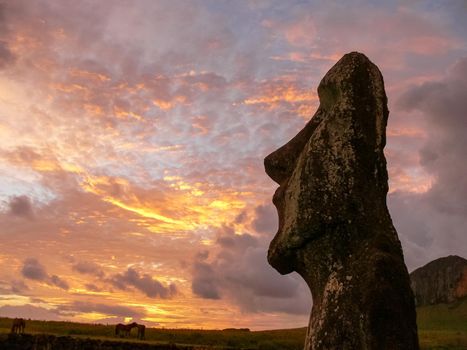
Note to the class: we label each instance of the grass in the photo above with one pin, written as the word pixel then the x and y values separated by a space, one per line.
pixel 440 327
pixel 443 326
pixel 290 339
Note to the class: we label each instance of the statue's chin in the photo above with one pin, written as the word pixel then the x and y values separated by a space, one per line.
pixel 283 262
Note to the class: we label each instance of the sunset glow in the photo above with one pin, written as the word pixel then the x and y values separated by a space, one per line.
pixel 132 139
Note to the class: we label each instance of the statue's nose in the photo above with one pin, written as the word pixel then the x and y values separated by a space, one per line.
pixel 277 166
pixel 280 164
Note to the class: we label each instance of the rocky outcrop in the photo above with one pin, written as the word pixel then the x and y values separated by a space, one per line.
pixel 334 226
pixel 443 280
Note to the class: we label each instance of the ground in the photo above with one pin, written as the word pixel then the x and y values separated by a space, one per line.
pixel 440 327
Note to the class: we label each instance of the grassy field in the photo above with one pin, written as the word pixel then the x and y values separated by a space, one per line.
pixel 440 327
pixel 265 340
pixel 443 326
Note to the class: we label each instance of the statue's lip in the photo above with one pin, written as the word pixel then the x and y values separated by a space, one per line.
pixel 277 200
pixel 277 195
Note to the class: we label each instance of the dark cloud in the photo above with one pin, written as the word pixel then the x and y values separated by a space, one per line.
pixel 29 311
pixel 92 287
pixel 229 240
pixel 245 241
pixel 117 312
pixel 432 224
pixel 266 219
pixel 113 310
pixel 87 267
pixel 241 217
pixel 12 287
pixel 240 272
pixel 19 287
pixel 202 255
pixel 21 206
pixel 144 283
pixel 6 56
pixel 37 300
pixel 205 283
pixel 34 270
pixel 58 282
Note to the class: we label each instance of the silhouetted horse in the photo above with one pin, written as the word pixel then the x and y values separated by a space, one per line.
pixel 18 325
pixel 123 330
pixel 141 331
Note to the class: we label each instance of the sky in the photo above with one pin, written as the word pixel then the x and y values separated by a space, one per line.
pixel 132 139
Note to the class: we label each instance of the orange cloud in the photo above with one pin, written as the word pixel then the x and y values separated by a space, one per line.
pixel 195 206
pixel 405 181
pixel 93 76
pixel 39 160
pixel 275 94
pixel 287 95
pixel 167 105
pixel 406 131
pixel 124 114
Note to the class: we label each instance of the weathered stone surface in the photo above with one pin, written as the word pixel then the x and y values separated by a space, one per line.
pixel 334 226
pixel 443 280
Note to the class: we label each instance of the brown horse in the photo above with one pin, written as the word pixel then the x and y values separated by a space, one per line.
pixel 141 331
pixel 123 330
pixel 18 325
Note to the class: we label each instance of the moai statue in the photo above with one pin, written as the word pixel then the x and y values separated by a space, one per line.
pixel 334 226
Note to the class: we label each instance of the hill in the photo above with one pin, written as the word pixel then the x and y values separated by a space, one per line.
pixel 443 280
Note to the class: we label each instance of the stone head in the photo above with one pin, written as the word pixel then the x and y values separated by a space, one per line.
pixel 325 169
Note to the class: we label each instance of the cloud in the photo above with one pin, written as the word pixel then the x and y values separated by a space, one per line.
pixel 58 282
pixel 6 56
pixel 29 312
pixel 19 287
pixel 34 270
pixel 204 283
pixel 14 286
pixel 87 267
pixel 21 206
pixel 106 309
pixel 266 219
pixel 394 35
pixel 239 272
pixel 110 312
pixel 92 287
pixel 144 283
pixel 432 223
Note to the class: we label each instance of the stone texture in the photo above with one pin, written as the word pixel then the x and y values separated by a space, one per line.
pixel 334 226
pixel 443 280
